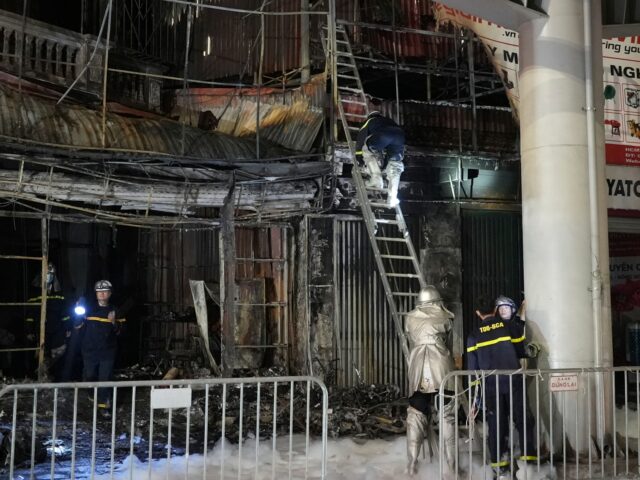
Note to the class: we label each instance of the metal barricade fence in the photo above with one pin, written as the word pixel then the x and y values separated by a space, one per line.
pixel 206 428
pixel 562 423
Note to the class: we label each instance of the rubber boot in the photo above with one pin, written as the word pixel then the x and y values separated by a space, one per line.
pixel 372 165
pixel 417 423
pixel 393 172
pixel 448 425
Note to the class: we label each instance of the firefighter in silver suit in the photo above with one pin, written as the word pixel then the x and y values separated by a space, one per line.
pixel 428 329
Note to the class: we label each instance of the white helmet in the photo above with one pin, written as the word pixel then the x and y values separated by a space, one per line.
pixel 429 294
pixel 103 286
pixel 502 301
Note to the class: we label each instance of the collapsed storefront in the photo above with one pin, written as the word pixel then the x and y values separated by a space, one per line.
pixel 154 179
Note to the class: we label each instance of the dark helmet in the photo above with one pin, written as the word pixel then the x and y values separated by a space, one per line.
pixel 502 300
pixel 374 113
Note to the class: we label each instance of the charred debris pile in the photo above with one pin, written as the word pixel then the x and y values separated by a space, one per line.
pixel 362 412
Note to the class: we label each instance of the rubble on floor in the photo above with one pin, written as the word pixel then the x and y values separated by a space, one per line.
pixel 362 412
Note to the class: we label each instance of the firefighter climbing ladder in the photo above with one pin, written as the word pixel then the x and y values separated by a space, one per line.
pixel 393 249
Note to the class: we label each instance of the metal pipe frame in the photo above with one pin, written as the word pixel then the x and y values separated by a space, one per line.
pixel 26 418
pixel 567 416
pixel 283 307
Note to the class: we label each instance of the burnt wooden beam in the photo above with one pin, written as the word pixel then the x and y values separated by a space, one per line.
pixel 177 197
pixel 228 280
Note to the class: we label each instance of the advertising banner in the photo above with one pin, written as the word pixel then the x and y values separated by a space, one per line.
pixel 623 187
pixel 502 46
pixel 621 64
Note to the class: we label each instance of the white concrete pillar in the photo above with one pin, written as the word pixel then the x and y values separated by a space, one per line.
pixel 556 215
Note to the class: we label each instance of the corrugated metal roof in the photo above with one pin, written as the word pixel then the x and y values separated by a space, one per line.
pixel 36 119
pixel 291 118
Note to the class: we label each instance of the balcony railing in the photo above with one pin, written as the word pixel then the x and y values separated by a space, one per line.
pixel 40 51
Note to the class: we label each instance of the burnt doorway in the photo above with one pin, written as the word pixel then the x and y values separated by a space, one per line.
pixel 491 260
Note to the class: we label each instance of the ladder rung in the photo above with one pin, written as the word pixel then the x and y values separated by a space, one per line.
pixel 397 257
pixel 391 239
pixel 351 65
pixel 357 115
pixel 349 89
pixel 345 100
pixel 342 41
pixel 403 275
pixel 350 77
pixel 338 26
pixel 380 205
pixel 19 257
pixel 404 294
pixel 20 304
pixel 386 221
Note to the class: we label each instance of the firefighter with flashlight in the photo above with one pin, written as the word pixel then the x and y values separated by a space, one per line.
pixel 380 146
pixel 101 327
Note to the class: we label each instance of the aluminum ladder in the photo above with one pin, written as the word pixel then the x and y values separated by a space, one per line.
pixel 393 249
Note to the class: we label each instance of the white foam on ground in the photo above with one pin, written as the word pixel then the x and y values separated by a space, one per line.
pixel 531 472
pixel 346 460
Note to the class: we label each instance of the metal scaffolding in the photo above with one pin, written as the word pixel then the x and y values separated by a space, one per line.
pixel 42 305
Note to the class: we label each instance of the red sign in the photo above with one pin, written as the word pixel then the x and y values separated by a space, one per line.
pixel 620 154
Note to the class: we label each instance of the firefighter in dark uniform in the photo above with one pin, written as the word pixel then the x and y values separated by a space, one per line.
pixel 102 325
pixel 380 144
pixel 498 343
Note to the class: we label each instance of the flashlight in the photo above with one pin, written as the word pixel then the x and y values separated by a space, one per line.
pixel 79 310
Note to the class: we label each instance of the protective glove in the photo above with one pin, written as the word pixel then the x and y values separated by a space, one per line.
pixel 532 350
pixel 484 316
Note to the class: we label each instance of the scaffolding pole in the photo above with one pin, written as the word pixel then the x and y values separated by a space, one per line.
pixel 44 229
pixel 44 266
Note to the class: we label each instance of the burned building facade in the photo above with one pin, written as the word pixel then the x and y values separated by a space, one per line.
pixel 195 154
